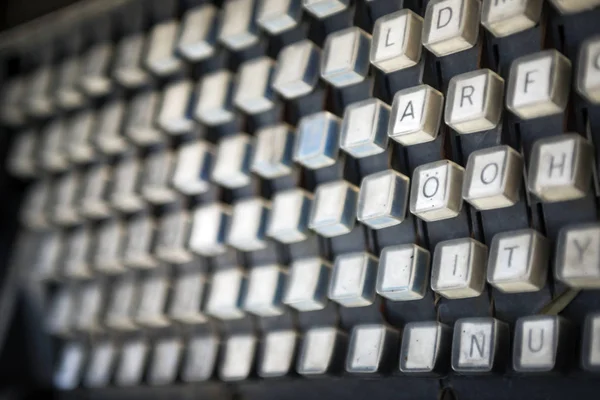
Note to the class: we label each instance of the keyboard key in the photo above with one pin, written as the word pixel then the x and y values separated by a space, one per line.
pixel 346 57
pixel 140 127
pixel 108 135
pixel 154 292
pixel 110 241
pixel 574 6
pixel 539 343
pixel 288 220
pixel 173 115
pixel 436 190
pixel 165 361
pixel 11 97
pixel 474 101
pixel 48 249
pixel 383 199
pixel 22 158
pixel 38 101
pixel 59 318
pixel 209 223
pixel 322 352
pixel 451 26
pixel 122 302
pixel 265 291
pixel 76 262
pixel 278 353
pixel 317 142
pixel 588 70
pixel 590 351
pixel 160 54
pixel 192 168
pixel 539 84
pixel 353 279
pixel 239 30
pixel 324 8
pixel 307 284
pixel 297 71
pixel 95 66
pixel 186 303
pixel 238 358
pixel 578 256
pixel 333 212
pixel 425 348
pixel 90 306
pixel 132 364
pixel 403 272
pixel 215 99
pixel 93 193
pixel 78 138
pixel 101 364
pixel 172 238
pixel 70 368
pixel 364 129
pixel 38 197
pixel 272 156
pixel 125 195
pixel 372 349
pixel 278 16
pixel 416 115
pixel 232 165
pixel 560 168
pixel 397 41
pixel 53 145
pixel 200 358
pixel 67 93
pixel 139 244
pixel 158 168
pixel 458 270
pixel 478 345
pixel 504 18
pixel 493 178
pixel 248 224
pixel 254 93
pixel 128 70
pixel 226 294
pixel 518 261
pixel 198 33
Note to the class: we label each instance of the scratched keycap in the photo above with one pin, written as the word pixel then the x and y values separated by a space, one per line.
pixel 451 26
pixel 372 349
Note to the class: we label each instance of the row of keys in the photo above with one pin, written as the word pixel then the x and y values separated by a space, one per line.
pixel 541 344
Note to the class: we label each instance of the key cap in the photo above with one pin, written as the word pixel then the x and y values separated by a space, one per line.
pixel 493 178
pixel 278 16
pixel 158 169
pixel 192 168
pixel 160 54
pixel 307 285
pixel 108 134
pixel 239 30
pixel 265 291
pixel 588 70
pixel 139 127
pixel 139 244
pixel 451 26
pixel 238 357
pixel 122 303
pixel 95 67
pixel 154 292
pixel 226 294
pixel 70 368
pixel 172 238
pixel 94 200
pixel 78 137
pixel 518 261
pixel 165 361
pixel 324 8
pixel 416 115
pixel 90 303
pixel 436 190
pixel 53 147
pixel 48 248
pixel 110 239
pixel 200 358
pixel 574 6
pixel 297 71
pixel 254 93
pixel 403 272
pixel 578 256
pixel 397 41
pixel 76 262
pixel 128 70
pixel 37 199
pixel 590 352
pixel 333 212
pixel 101 364
pixel 209 224
pixel 188 292
pixel 132 363
pixel 59 317
pixel 353 279
pixel 560 168
pixel 288 220
pixel 198 33
pixel 504 18
pixel 67 93
pixel 372 349
pixel 278 353
pixel 125 194
pixel 425 348
pixel 474 101
pixel 478 345
pixel 382 199
pixel 215 99
pixel 22 158
pixel 364 128
pixel 322 351
pixel 539 343
pixel 174 117
pixel 38 100
pixel 232 165
pixel 248 224
pixel 458 270
pixel 317 142
pixel 11 98
pixel 346 57
pixel 539 84
pixel 272 156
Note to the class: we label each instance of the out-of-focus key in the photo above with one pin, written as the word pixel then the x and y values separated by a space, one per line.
pixel 238 357
pixel 278 353
pixel 540 343
pixel 451 26
pixel 232 165
pixel 560 168
pixel 238 30
pixel 574 6
pixel 165 361
pixel 345 59
pixel 53 146
pixel 278 16
pixel 11 100
pixel 192 168
pixel 288 220
pixel 110 239
pixel 37 199
pixel 38 101
pixel 382 199
pixel 307 284
pixel 140 240
pixel 425 348
pixel 322 352
pixel 48 248
pixel 397 41
pixel 122 303
pixel 317 143
pixel 248 224
pixel 504 18
pixel 254 93
pixel 186 303
pixel 67 93
pixel 493 178
pixel 79 137
pixel 66 189
pixel 95 67
pixel 174 116
pixel 108 132
pixel 478 345
pixel 22 158
pixel 226 294
pixel 125 195
pixel 94 199
pixel 209 224
pixel 160 54
pixel 100 367
pixel 518 261
pixel 436 190
pixel 539 84
pixel 364 129
pixel 198 33
pixel 70 368
pixel 590 346
pixel 416 115
pixel 201 357
pixel 76 263
pixel 152 308
pixel 128 70
pixel 458 269
pixel 158 169
pixel 139 127
pixel 324 8
pixel 215 99
pixel 272 156
pixel 297 71
pixel 173 235
pixel 372 349
pixel 90 302
pixel 59 317
pixel 265 291
pixel 588 70
pixel 353 279
pixel 403 272
pixel 132 363
pixel 578 256
pixel 333 212
pixel 474 101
